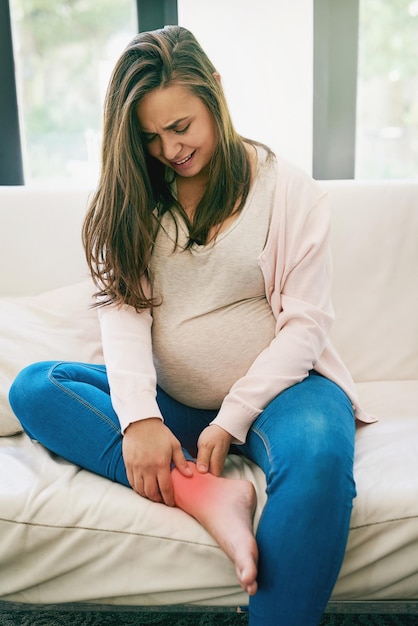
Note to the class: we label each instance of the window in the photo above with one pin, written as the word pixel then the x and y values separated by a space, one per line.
pixel 365 86
pixel 387 100
pixel 64 53
pixel 365 77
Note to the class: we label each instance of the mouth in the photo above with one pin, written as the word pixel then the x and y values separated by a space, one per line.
pixel 183 161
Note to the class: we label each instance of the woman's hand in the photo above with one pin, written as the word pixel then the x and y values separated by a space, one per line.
pixel 148 449
pixel 213 446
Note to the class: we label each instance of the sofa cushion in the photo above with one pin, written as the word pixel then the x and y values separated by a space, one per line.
pixel 69 535
pixel 64 530
pixel 58 324
pixel 382 552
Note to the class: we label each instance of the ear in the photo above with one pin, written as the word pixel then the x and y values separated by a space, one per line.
pixel 217 77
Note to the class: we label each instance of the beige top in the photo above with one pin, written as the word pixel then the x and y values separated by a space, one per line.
pixel 214 319
pixel 296 267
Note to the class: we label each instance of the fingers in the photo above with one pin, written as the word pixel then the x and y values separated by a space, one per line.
pixel 213 446
pixel 148 466
pixel 155 487
pixel 210 459
pixel 205 447
pixel 181 462
pixel 203 459
pixel 164 479
pixel 165 489
pixel 216 464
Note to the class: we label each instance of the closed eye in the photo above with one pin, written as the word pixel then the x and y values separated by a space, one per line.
pixel 182 131
pixel 149 138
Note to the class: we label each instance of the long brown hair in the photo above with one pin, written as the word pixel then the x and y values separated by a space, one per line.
pixel 133 189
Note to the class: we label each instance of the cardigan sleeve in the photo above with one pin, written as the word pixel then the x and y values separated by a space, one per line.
pixel 297 269
pixel 127 349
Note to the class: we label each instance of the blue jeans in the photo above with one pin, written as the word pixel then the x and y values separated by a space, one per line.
pixel 303 441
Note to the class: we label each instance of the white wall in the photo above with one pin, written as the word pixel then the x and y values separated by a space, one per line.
pixel 263 50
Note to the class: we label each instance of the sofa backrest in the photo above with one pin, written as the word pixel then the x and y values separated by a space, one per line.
pixel 375 293
pixel 40 239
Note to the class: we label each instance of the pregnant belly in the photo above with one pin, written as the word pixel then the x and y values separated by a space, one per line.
pixel 198 359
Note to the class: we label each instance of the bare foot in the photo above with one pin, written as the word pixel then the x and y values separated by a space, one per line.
pixel 225 508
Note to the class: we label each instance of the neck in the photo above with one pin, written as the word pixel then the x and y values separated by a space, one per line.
pixel 190 191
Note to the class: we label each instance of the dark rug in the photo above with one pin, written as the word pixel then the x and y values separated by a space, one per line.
pixel 109 618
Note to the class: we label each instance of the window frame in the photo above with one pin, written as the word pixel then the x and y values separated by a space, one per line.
pixel 11 162
pixel 336 32
pixel 153 14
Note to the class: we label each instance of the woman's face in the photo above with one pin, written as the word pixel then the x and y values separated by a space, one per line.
pixel 178 129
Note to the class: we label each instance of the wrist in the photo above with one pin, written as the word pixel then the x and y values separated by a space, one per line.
pixel 146 421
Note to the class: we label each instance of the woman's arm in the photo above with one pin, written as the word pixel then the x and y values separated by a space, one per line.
pixel 149 448
pixel 297 267
pixel 127 349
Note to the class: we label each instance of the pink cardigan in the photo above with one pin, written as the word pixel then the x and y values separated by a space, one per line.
pixel 297 271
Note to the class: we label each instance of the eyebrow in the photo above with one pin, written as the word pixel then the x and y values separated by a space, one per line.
pixel 171 126
pixel 176 123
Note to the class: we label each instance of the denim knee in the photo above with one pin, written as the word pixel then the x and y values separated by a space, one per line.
pixel 25 391
pixel 306 435
pixel 321 458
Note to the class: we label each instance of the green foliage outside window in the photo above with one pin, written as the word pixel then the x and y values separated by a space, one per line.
pixel 387 108
pixel 65 50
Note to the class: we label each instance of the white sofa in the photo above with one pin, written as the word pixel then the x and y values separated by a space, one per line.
pixel 69 536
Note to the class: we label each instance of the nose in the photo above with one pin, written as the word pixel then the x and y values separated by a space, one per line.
pixel 170 147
